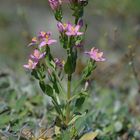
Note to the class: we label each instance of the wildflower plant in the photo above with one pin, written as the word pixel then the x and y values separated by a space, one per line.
pixel 44 66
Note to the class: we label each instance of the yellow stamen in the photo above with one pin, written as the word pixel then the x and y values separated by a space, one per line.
pixel 47 38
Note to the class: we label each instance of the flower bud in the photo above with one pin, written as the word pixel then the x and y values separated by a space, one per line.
pixel 55 4
pixel 80 22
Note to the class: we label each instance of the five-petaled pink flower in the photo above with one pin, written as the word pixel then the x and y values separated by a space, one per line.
pixel 37 55
pixel 34 59
pixel 73 30
pixel 31 65
pixel 45 39
pixel 96 55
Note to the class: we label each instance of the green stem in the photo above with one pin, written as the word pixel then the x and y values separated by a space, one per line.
pixel 68 98
pixel 68 85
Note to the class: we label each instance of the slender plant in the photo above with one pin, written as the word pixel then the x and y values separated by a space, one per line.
pixel 52 72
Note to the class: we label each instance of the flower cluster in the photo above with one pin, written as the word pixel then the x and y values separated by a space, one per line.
pixel 43 39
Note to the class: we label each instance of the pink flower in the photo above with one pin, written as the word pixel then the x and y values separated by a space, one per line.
pixel 69 29
pixel 55 4
pixel 45 39
pixel 31 65
pixel 73 30
pixel 96 55
pixel 37 55
pixel 62 27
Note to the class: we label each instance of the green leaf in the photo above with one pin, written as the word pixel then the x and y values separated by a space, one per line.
pixel 38 73
pixel 79 102
pixel 55 86
pixel 89 136
pixel 46 88
pixel 35 74
pixel 49 90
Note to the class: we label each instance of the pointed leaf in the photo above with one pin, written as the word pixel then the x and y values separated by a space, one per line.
pixel 46 88
pixel 89 136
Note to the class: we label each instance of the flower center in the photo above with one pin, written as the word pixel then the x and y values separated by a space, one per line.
pixel 47 38
pixel 73 29
pixel 65 25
